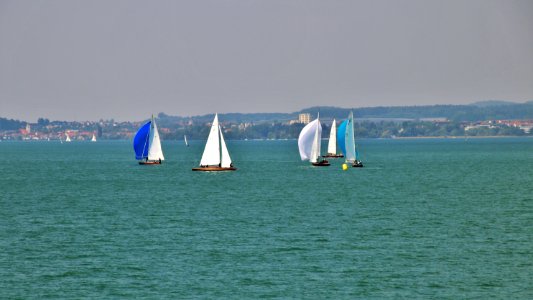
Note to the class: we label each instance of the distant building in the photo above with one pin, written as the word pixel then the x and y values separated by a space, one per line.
pixel 304 118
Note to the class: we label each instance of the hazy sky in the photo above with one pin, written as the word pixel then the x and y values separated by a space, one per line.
pixel 86 60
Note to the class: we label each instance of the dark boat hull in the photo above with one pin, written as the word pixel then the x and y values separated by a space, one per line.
pixel 333 156
pixel 214 169
pixel 357 164
pixel 149 163
pixel 323 163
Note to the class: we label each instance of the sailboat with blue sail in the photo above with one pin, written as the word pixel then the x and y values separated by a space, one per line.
pixel 346 139
pixel 147 144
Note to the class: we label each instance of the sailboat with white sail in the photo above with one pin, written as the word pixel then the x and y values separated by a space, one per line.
pixel 216 156
pixel 185 140
pixel 93 139
pixel 67 139
pixel 346 138
pixel 309 143
pixel 147 144
pixel 332 143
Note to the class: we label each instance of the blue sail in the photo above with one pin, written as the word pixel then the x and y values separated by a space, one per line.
pixel 141 141
pixel 341 136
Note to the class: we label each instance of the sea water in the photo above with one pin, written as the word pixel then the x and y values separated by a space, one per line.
pixel 425 218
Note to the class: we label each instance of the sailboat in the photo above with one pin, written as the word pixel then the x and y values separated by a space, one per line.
pixel 332 143
pixel 346 138
pixel 185 140
pixel 67 139
pixel 147 144
pixel 216 156
pixel 309 143
pixel 93 138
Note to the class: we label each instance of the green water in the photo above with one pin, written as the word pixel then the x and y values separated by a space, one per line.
pixel 449 218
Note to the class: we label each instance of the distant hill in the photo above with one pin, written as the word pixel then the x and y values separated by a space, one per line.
pixel 493 103
pixel 479 111
pixel 487 110
pixel 10 124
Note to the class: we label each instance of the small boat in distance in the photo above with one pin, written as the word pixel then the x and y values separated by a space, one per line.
pixel 93 139
pixel 309 143
pixel 67 139
pixel 346 138
pixel 216 156
pixel 185 140
pixel 147 144
pixel 332 143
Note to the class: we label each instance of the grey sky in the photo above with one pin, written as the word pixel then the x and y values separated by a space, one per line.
pixel 86 60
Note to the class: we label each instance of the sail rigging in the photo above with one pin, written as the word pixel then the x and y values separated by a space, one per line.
pixel 216 156
pixel 147 144
pixel 346 139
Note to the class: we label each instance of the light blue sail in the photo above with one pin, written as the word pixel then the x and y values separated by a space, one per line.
pixel 141 141
pixel 341 136
pixel 346 139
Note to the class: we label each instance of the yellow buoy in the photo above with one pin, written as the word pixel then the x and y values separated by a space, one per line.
pixel 344 167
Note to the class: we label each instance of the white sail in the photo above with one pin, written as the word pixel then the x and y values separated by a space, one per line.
pixel 93 138
pixel 307 138
pixel 67 139
pixel 185 139
pixel 350 140
pixel 155 152
pixel 315 149
pixel 211 156
pixel 332 144
pixel 226 159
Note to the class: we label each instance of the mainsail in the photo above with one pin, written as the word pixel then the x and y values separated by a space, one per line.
pixel 332 143
pixel 211 156
pixel 154 151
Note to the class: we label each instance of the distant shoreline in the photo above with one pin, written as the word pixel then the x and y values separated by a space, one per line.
pixel 457 137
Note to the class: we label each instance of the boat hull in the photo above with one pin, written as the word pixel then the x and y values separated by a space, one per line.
pixel 357 164
pixel 332 155
pixel 149 163
pixel 323 163
pixel 214 169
